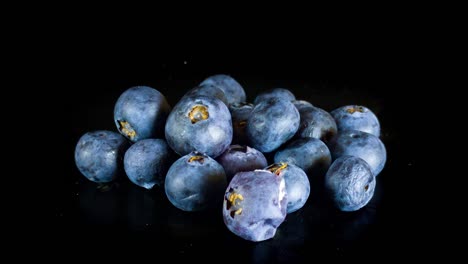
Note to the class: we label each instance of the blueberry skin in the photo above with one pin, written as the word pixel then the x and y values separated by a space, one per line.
pixel 241 158
pixel 356 117
pixel 147 161
pixel 360 144
pixel 195 182
pixel 280 93
pixel 271 123
pixel 350 183
pixel 255 204
pixel 99 155
pixel 199 124
pixel 309 154
pixel 301 104
pixel 240 113
pixel 208 90
pixel 231 88
pixel 316 123
pixel 140 113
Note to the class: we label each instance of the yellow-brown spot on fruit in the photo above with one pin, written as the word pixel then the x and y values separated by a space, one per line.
pixel 200 159
pixel 277 167
pixel 242 123
pixel 234 197
pixel 354 109
pixel 198 113
pixel 127 129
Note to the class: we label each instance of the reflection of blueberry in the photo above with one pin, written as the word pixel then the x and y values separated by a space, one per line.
pixel 140 113
pixel 356 117
pixel 195 182
pixel 99 155
pixel 231 88
pixel 240 112
pixel 360 144
pixel 350 183
pixel 315 123
pixel 241 158
pixel 208 90
pixel 255 204
pixel 199 124
pixel 271 123
pixel 279 93
pixel 146 162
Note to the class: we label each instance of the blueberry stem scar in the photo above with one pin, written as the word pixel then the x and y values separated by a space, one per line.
pixel 277 167
pixel 198 113
pixel 127 129
pixel 354 109
pixel 196 158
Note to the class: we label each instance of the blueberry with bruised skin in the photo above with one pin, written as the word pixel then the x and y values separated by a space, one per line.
pixel 255 204
pixel 208 90
pixel 195 182
pixel 99 155
pixel 271 123
pixel 199 124
pixel 240 112
pixel 140 113
pixel 232 89
pixel 350 183
pixel 316 123
pixel 275 93
pixel 147 161
pixel 356 117
pixel 241 158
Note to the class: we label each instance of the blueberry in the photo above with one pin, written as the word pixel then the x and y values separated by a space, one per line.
pixel 99 155
pixel 297 184
pixel 231 88
pixel 146 162
pixel 356 117
pixel 301 104
pixel 271 123
pixel 360 144
pixel 275 93
pixel 350 183
pixel 240 112
pixel 199 124
pixel 208 90
pixel 241 158
pixel 255 204
pixel 140 113
pixel 195 182
pixel 316 123
pixel 309 154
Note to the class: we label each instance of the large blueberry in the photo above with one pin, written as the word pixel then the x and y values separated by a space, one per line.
pixel 199 124
pixel 309 154
pixel 280 93
pixel 350 183
pixel 240 113
pixel 231 88
pixel 297 184
pixel 195 182
pixel 255 204
pixel 316 123
pixel 146 162
pixel 140 113
pixel 208 90
pixel 356 117
pixel 241 158
pixel 271 123
pixel 360 144
pixel 99 155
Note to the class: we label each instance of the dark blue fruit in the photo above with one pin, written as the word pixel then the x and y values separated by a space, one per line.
pixel 140 113
pixel 199 124
pixel 240 113
pixel 99 155
pixel 231 88
pixel 146 162
pixel 280 93
pixel 195 182
pixel 301 104
pixel 255 204
pixel 316 123
pixel 350 183
pixel 208 90
pixel 271 123
pixel 356 117
pixel 241 158
pixel 360 144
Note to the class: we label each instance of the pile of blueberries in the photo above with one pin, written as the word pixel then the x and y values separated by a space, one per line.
pixel 212 144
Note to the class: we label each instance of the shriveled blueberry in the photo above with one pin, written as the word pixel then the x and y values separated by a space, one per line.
pixel 309 154
pixel 241 158
pixel 240 113
pixel 231 88
pixel 208 90
pixel 350 183
pixel 99 155
pixel 199 124
pixel 316 123
pixel 297 184
pixel 255 204
pixel 195 182
pixel 360 144
pixel 146 162
pixel 140 113
pixel 356 117
pixel 271 123
pixel 275 93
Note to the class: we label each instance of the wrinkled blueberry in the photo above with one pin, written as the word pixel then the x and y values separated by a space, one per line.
pixel 316 123
pixel 195 182
pixel 208 90
pixel 356 117
pixel 99 155
pixel 350 183
pixel 231 88
pixel 241 158
pixel 275 93
pixel 240 112
pixel 140 113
